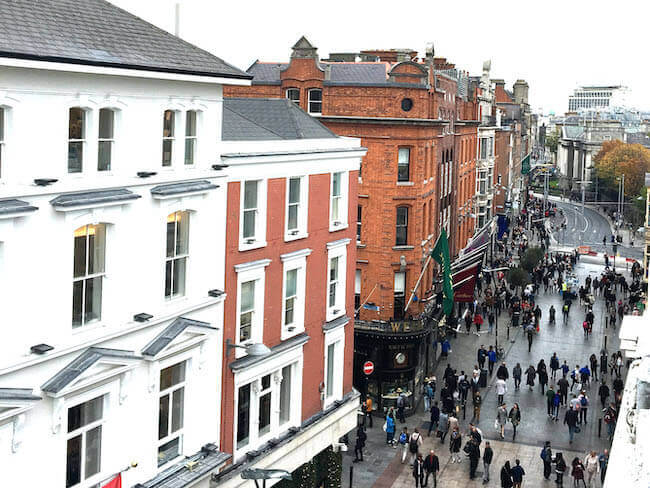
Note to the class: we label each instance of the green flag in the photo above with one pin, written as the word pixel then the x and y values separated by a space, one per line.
pixel 440 253
pixel 525 165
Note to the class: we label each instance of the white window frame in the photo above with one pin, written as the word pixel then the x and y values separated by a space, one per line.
pixel 252 271
pixel 110 140
pixel 294 261
pixel 337 249
pixel 333 390
pixel 293 90
pixel 259 239
pixel 175 257
pixel 179 433
pixel 85 160
pixel 191 138
pixel 173 138
pixel 342 222
pixel 4 123
pixel 310 101
pixel 253 376
pixel 303 208
pixel 89 276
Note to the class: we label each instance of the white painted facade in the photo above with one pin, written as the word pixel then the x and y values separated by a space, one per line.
pixel 36 268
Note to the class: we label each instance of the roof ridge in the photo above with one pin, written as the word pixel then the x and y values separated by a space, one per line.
pixel 294 118
pixel 253 121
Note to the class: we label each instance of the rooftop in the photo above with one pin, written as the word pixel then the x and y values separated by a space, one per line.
pixel 97 33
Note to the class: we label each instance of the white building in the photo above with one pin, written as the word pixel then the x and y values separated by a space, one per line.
pixel 112 223
pixel 598 98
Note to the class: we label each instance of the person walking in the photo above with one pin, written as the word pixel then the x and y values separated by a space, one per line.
pixel 427 394
pixel 543 379
pixel 518 474
pixel 401 405
pixel 575 377
pixel 530 377
pixel 418 471
pixel 367 409
pixel 560 469
pixel 565 368
pixel 404 442
pixel 476 401
pixel 481 354
pixel 592 468
pixel 516 375
pixel 454 445
pixel 390 429
pixel 578 472
pixel 502 371
pixel 443 425
pixel 415 441
pixel 515 419
pixel 610 420
pixel 554 364
pixel 603 461
pixel 593 362
pixel 431 468
pixel 488 454
pixel 555 413
pixel 506 476
pixel 547 459
pixel 571 421
pixel 360 444
pixel 492 359
pixel 501 389
pixel 550 395
pixel 584 404
pixel 603 363
pixel 563 389
pixel 530 330
pixel 463 388
pixel 474 454
pixel 502 418
pixel 490 321
pixel 434 418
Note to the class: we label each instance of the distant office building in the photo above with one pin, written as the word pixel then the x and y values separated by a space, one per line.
pixel 587 98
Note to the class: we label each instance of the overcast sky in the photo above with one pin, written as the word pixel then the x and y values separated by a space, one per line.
pixel 555 45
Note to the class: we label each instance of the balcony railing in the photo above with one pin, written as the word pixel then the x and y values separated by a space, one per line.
pixel 392 326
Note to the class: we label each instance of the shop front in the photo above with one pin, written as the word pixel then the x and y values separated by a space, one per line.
pixel 402 355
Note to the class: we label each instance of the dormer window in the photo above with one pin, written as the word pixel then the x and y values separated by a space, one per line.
pixel 76 139
pixel 315 101
pixel 293 94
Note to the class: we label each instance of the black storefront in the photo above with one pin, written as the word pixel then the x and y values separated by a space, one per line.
pixel 403 355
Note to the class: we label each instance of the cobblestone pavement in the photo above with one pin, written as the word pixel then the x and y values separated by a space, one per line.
pixel 382 467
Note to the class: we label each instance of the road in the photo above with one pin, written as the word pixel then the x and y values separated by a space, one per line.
pixel 592 227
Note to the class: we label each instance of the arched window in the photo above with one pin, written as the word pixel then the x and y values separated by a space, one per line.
pixel 76 139
pixel 106 139
pixel 88 274
pixel 315 104
pixel 178 234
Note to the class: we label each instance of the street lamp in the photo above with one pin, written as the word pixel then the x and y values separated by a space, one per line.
pixel 265 474
pixel 496 317
pixel 256 349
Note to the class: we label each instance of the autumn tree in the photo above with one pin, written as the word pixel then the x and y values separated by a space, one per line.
pixel 617 158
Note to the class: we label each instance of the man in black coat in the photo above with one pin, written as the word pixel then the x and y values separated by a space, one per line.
pixel 502 372
pixel 481 354
pixel 431 468
pixel 474 456
pixel 435 418
pixel 418 471
pixel 487 460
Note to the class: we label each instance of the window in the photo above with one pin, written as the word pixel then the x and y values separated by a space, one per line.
pixel 84 441
pixel 336 278
pixel 296 218
pixel 339 201
pixel 357 289
pixel 250 208
pixel 333 365
pixel 76 139
pixel 106 139
pixel 252 222
pixel 190 136
pixel 359 212
pixel 407 104
pixel 293 94
pixel 330 370
pixel 285 395
pixel 246 310
pixel 264 409
pixel 290 295
pixel 403 163
pixel 333 281
pixel 293 295
pixel 171 405
pixel 315 101
pixel 88 274
pixel 169 132
pixel 402 226
pixel 178 228
pixel 336 197
pixel 399 293
pixel 2 137
pixel 243 415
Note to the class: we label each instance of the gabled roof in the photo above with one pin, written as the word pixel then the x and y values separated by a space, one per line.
pixel 170 333
pixel 339 73
pixel 82 363
pixel 263 119
pixel 95 32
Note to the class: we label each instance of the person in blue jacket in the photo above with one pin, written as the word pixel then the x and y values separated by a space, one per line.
pixel 492 359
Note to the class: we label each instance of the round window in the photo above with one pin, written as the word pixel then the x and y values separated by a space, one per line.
pixel 407 104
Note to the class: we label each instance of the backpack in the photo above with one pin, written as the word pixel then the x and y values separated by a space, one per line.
pixel 400 401
pixel 543 454
pixel 402 438
pixel 565 308
pixel 583 401
pixel 413 444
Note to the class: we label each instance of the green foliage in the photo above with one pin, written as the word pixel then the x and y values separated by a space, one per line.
pixel 326 467
pixel 531 258
pixel 552 141
pixel 617 158
pixel 518 277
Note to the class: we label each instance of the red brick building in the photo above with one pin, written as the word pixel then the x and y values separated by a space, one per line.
pixel 290 267
pixel 418 122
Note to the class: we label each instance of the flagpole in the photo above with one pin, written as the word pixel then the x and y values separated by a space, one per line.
pixel 112 477
pixel 366 300
pixel 424 268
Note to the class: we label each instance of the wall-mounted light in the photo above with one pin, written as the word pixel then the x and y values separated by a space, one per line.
pixel 255 349
pixel 44 181
pixel 40 348
pixel 142 317
pixel 146 174
pixel 219 167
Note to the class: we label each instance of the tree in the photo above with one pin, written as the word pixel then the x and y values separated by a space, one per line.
pixel 552 141
pixel 518 277
pixel 617 158
pixel 531 258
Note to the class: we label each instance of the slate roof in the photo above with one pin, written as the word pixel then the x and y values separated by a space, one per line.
pixel 179 476
pixel 95 32
pixel 183 187
pixel 93 197
pixel 13 206
pixel 172 331
pixel 339 73
pixel 262 119
pixel 73 370
pixel 18 394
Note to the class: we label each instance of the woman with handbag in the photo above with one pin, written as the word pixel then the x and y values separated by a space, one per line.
pixel 454 445
pixel 515 418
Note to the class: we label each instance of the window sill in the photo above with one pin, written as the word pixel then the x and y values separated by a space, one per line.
pixel 287 334
pixel 254 245
pixel 360 245
pixel 87 328
pixel 295 237
pixel 341 226
pixel 403 248
pixel 331 315
pixel 405 183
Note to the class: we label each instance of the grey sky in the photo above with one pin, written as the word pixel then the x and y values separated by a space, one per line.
pixel 555 45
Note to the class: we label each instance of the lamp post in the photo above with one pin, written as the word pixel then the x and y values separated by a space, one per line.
pixel 265 474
